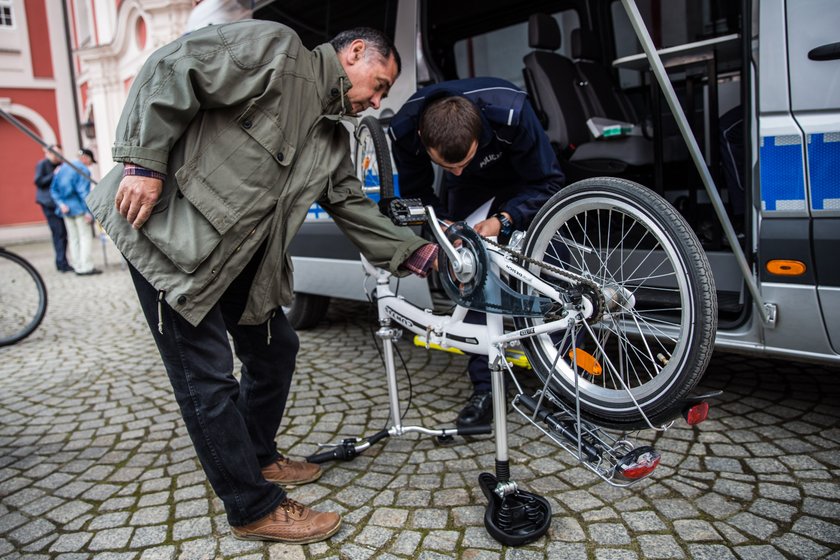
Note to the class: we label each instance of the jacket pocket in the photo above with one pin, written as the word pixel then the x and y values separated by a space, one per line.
pixel 225 181
pixel 182 233
pixel 230 176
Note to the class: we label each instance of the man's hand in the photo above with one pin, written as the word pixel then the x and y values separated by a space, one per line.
pixel 136 197
pixel 64 209
pixel 488 228
pixel 88 218
pixel 491 227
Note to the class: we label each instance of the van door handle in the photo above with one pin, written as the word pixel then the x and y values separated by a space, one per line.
pixel 831 51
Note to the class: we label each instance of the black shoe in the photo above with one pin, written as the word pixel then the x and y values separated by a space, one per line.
pixel 478 412
pixel 90 272
pixel 68 268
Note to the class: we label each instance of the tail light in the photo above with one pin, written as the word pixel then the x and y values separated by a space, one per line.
pixel 637 464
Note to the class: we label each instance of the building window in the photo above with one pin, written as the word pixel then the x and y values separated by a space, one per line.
pixel 6 18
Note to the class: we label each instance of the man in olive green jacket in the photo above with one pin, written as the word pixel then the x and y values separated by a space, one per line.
pixel 229 135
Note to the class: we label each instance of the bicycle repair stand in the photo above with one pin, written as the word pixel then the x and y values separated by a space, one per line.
pixel 513 517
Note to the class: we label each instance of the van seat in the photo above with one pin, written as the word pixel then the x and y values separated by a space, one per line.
pixel 556 89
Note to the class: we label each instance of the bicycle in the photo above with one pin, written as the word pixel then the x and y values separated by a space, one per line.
pixel 613 302
pixel 23 298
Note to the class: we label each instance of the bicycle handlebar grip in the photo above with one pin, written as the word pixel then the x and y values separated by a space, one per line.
pixel 475 430
pixel 337 453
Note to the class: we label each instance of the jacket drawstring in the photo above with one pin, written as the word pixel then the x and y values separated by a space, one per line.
pixel 268 329
pixel 160 311
pixel 341 94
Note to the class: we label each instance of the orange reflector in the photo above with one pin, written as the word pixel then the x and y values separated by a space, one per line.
pixel 786 267
pixel 586 361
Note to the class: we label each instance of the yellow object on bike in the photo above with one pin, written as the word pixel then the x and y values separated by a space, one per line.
pixel 514 357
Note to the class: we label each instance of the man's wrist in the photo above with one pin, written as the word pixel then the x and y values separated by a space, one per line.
pixel 505 221
pixel 131 169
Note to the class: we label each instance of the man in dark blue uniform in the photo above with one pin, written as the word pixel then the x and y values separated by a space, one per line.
pixel 486 137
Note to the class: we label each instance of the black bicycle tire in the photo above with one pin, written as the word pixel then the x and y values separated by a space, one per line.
pixel 42 299
pixel 382 153
pixel 658 407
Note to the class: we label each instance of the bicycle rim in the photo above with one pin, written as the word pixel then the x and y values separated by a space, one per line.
pixel 23 299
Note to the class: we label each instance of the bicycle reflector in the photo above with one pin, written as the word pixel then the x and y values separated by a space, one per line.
pixel 637 464
pixel 696 413
pixel 586 361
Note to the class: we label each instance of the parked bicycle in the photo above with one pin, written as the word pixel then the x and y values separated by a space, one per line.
pixel 611 298
pixel 23 298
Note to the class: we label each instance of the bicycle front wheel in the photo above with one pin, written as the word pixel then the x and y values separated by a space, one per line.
pixel 373 159
pixel 23 298
pixel 651 342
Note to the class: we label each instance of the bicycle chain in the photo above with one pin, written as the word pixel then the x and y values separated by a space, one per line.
pixel 576 278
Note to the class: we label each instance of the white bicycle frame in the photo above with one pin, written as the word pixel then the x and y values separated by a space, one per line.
pixel 451 331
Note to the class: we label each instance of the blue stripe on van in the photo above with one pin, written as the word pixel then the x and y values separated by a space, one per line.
pixel 824 170
pixel 782 175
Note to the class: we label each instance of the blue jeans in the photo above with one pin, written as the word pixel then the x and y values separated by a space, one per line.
pixel 59 236
pixel 232 424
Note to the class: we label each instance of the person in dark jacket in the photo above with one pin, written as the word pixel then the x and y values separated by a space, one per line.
pixel 491 146
pixel 44 171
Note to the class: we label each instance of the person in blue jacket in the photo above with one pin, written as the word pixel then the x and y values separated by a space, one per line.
pixel 487 139
pixel 69 189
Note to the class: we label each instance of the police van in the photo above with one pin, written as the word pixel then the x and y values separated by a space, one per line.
pixel 730 109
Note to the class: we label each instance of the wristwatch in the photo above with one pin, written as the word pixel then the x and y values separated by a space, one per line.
pixel 507 225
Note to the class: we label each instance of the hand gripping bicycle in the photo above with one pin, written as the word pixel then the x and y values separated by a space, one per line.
pixel 612 300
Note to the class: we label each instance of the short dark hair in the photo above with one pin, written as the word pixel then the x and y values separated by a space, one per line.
pixel 373 38
pixel 450 126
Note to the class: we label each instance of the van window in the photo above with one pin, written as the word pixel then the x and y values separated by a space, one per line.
pixel 318 21
pixel 499 53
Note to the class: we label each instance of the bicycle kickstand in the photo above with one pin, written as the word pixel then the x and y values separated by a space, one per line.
pixel 513 517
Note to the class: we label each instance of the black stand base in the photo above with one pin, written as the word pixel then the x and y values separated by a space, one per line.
pixel 517 519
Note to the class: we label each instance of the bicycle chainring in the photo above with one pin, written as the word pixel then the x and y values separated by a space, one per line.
pixel 464 239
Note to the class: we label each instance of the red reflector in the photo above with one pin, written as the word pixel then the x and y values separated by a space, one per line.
pixel 697 413
pixel 638 464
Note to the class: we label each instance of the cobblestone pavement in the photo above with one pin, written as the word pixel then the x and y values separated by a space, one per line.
pixel 95 463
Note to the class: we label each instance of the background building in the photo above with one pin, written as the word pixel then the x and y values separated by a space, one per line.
pixel 65 70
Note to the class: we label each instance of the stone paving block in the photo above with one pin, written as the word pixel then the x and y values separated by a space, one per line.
pixel 111 539
pixel 144 537
pixel 199 548
pixel 615 554
pixel 773 510
pixel 660 546
pixel 31 531
pixel 71 542
pixel 817 529
pixel 800 547
pixel 150 515
pixel 758 552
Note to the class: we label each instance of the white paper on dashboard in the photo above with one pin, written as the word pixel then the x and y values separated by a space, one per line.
pixel 480 213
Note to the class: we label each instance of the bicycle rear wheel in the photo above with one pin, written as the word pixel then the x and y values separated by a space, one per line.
pixel 23 298
pixel 654 337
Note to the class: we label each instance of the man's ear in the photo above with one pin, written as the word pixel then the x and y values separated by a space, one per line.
pixel 355 51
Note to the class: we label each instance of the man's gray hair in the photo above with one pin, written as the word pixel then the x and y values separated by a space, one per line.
pixel 373 38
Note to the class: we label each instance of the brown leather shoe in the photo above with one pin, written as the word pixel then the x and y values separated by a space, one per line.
pixel 288 473
pixel 291 522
